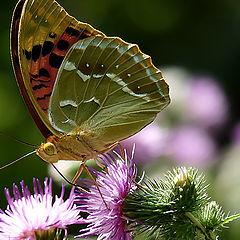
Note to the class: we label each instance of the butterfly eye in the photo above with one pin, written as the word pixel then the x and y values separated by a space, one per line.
pixel 49 149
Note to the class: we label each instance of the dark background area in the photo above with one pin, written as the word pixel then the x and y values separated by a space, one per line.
pixel 200 36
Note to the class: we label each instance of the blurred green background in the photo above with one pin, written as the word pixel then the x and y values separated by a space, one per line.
pixel 201 38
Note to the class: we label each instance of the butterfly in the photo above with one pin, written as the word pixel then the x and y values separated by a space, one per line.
pixel 85 91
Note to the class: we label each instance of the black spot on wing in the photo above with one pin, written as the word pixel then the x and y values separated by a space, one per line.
pixel 55 60
pixel 39 86
pixel 44 97
pixel 36 51
pixel 52 35
pixel 73 32
pixel 63 45
pixel 34 75
pixel 27 54
pixel 85 34
pixel 43 72
pixel 47 48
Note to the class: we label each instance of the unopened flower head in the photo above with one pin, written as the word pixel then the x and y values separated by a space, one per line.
pixel 29 215
pixel 108 222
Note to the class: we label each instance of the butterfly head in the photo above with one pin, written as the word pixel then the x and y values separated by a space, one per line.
pixel 48 152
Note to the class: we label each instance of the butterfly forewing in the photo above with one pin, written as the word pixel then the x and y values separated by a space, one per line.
pixel 107 87
pixel 42 33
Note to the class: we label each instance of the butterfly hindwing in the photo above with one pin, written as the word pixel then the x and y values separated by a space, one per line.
pixel 107 87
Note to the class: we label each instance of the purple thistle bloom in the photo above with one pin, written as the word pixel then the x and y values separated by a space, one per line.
pixel 188 144
pixel 29 214
pixel 207 104
pixel 115 186
pixel 150 144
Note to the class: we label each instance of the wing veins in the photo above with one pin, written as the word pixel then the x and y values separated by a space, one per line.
pixel 120 124
pixel 130 112
pixel 100 108
pixel 120 41
pixel 137 79
pixel 88 81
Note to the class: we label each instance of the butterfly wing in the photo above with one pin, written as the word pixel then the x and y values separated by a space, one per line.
pixel 107 87
pixel 41 35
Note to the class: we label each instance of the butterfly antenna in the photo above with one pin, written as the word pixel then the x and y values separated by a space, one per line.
pixel 17 160
pixel 17 140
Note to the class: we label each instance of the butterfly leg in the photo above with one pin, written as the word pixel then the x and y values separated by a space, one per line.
pixel 96 184
pixel 71 183
pixel 102 166
pixel 110 147
pixel 121 150
pixel 78 172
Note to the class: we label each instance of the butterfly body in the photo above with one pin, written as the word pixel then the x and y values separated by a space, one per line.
pixel 79 145
pixel 85 91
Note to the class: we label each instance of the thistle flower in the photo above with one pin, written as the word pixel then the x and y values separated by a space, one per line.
pixel 108 222
pixel 150 144
pixel 198 100
pixel 207 103
pixel 188 144
pixel 29 216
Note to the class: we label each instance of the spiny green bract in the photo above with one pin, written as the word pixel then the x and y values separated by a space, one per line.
pixel 175 208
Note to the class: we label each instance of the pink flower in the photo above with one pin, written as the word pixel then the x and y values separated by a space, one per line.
pixel 150 144
pixel 27 215
pixel 207 103
pixel 188 145
pixel 115 186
